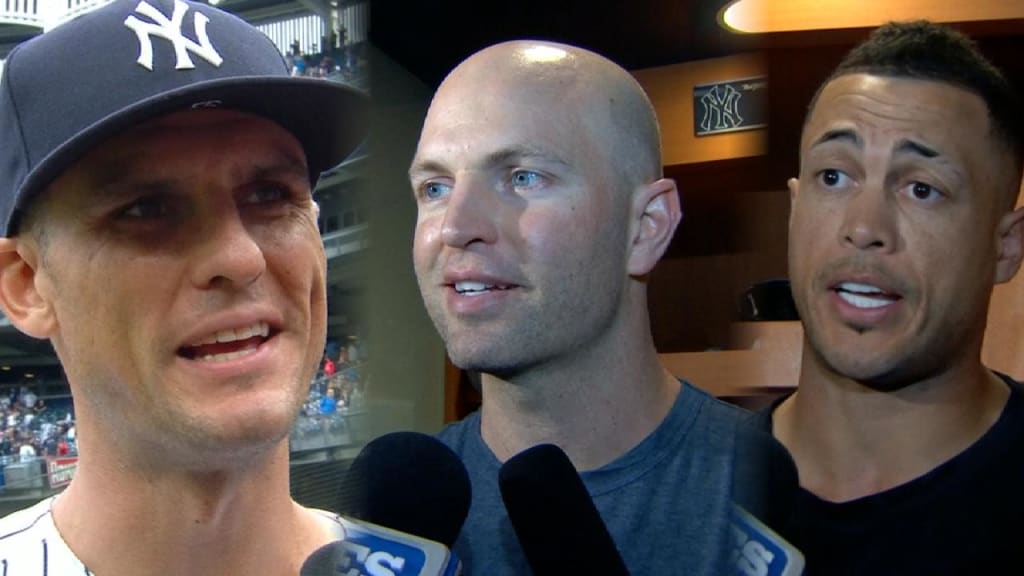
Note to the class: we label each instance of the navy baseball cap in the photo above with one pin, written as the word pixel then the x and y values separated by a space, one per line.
pixel 69 89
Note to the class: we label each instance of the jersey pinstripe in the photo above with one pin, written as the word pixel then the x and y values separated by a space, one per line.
pixel 30 544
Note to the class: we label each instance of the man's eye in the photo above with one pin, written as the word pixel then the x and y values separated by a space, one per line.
pixel 146 208
pixel 832 178
pixel 435 190
pixel 525 179
pixel 266 193
pixel 922 191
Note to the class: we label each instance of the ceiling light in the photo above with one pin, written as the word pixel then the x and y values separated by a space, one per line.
pixel 758 16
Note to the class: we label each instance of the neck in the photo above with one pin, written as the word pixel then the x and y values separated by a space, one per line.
pixel 595 405
pixel 850 440
pixel 231 521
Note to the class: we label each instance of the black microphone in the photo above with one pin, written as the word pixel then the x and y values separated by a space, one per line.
pixel 765 491
pixel 403 501
pixel 556 522
pixel 410 482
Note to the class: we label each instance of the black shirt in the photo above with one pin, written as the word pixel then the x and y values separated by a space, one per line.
pixel 966 516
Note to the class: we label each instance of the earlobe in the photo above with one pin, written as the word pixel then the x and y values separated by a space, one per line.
pixel 1010 245
pixel 657 205
pixel 19 295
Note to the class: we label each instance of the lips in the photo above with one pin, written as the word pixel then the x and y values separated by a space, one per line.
pixel 227 344
pixel 865 296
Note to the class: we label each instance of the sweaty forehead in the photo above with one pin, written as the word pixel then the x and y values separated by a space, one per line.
pixel 467 118
pixel 489 82
pixel 545 65
pixel 504 95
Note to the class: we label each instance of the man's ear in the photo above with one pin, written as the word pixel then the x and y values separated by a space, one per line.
pixel 1010 245
pixel 794 189
pixel 20 298
pixel 657 212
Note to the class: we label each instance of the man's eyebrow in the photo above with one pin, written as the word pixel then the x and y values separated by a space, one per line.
pixel 420 167
pixel 285 168
pixel 907 146
pixel 839 135
pixel 107 178
pixel 510 155
pixel 516 153
pixel 914 148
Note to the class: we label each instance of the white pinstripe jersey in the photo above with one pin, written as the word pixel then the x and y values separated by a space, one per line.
pixel 31 546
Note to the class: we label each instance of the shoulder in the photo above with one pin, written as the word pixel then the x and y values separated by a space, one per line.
pixel 715 407
pixel 329 521
pixel 458 435
pixel 31 545
pixel 1016 388
pixel 1011 421
pixel 711 416
pixel 25 522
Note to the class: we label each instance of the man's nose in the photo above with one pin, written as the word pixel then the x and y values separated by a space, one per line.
pixel 470 215
pixel 869 220
pixel 228 252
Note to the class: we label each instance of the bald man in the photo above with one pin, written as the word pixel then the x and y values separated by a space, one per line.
pixel 542 210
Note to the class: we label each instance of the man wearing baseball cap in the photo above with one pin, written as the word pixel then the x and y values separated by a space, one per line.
pixel 159 230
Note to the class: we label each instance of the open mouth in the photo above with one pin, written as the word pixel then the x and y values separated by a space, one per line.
pixel 478 288
pixel 228 344
pixel 864 296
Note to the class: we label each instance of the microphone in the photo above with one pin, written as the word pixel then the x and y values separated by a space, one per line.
pixel 556 522
pixel 403 501
pixel 759 551
pixel 410 482
pixel 370 550
pixel 765 487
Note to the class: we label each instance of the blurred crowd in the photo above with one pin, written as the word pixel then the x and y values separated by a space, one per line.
pixel 339 384
pixel 30 428
pixel 345 60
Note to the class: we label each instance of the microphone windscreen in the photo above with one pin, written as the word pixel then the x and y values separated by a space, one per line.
pixel 765 479
pixel 325 561
pixel 410 482
pixel 556 522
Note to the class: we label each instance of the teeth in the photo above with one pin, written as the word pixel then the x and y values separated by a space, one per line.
pixel 225 357
pixel 477 287
pixel 461 287
pixel 860 288
pixel 863 301
pixel 259 329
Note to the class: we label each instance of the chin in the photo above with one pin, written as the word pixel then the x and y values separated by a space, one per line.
pixel 881 373
pixel 262 421
pixel 246 442
pixel 485 361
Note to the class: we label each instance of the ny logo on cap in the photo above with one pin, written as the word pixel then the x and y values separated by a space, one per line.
pixel 170 29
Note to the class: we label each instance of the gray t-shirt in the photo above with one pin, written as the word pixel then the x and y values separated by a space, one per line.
pixel 666 502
